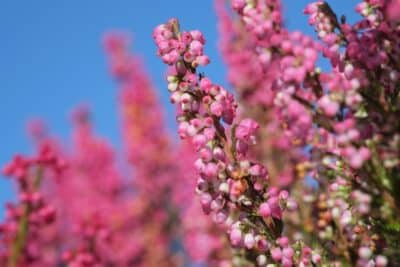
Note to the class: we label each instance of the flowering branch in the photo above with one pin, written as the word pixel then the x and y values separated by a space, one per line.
pixel 234 191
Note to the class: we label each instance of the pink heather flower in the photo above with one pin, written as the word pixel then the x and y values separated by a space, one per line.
pixel 171 57
pixel 210 170
pixel 262 243
pixel 283 241
pixel 316 258
pixel 264 210
pixel 186 98
pixel 262 260
pixel 216 108
pixel 205 85
pixel 364 252
pixel 306 252
pixel 257 170
pixel 199 140
pixel 241 147
pixel 346 218
pixel 197 35
pixel 238 4
pixel 276 254
pixel 273 191
pixel 283 194
pixel 217 204
pixel 220 217
pixel 206 154
pixel 196 48
pixel 189 57
pixel 357 157
pixel 182 129
pixel 249 240
pixel 276 211
pixel 287 252
pixel 235 236
pixel 295 109
pixel 175 97
pixel 202 60
pixel 291 205
pixel 312 7
pixel 287 262
pixel 205 200
pixel 381 261
pixel 164 46
pixel 246 129
pixel 258 186
pixel 209 133
pixel 186 38
pixel 219 154
pixel 329 107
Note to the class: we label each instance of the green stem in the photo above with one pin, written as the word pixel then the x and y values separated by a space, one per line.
pixel 23 227
pixel 380 169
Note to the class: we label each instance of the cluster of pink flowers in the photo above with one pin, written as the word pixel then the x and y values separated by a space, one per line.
pixel 295 166
pixel 232 187
pixel 33 214
pixel 151 152
pixel 327 126
pixel 341 110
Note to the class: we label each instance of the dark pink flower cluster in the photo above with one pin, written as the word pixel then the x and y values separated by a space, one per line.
pixel 27 219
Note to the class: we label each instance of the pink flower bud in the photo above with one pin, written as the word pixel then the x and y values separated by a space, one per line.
pixel 216 109
pixel 196 48
pixel 261 260
pixel 199 140
pixel 210 170
pixel 197 35
pixel 287 262
pixel 246 129
pixel 316 258
pixel 238 4
pixel 219 154
pixel 220 217
pixel 329 107
pixel 249 240
pixel 283 195
pixel 381 261
pixel 264 210
pixel 202 60
pixel 257 170
pixel 205 154
pixel 283 241
pixel 364 253
pixel 288 252
pixel 235 236
pixel 205 85
pixel 276 254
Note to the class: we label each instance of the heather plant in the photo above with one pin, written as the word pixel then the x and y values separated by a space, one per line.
pixel 294 165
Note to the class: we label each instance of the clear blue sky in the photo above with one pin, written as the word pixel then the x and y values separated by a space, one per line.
pixel 51 59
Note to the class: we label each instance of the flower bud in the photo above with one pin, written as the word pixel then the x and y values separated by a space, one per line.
pixel 235 236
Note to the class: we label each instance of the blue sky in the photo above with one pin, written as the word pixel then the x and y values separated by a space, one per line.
pixel 51 60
